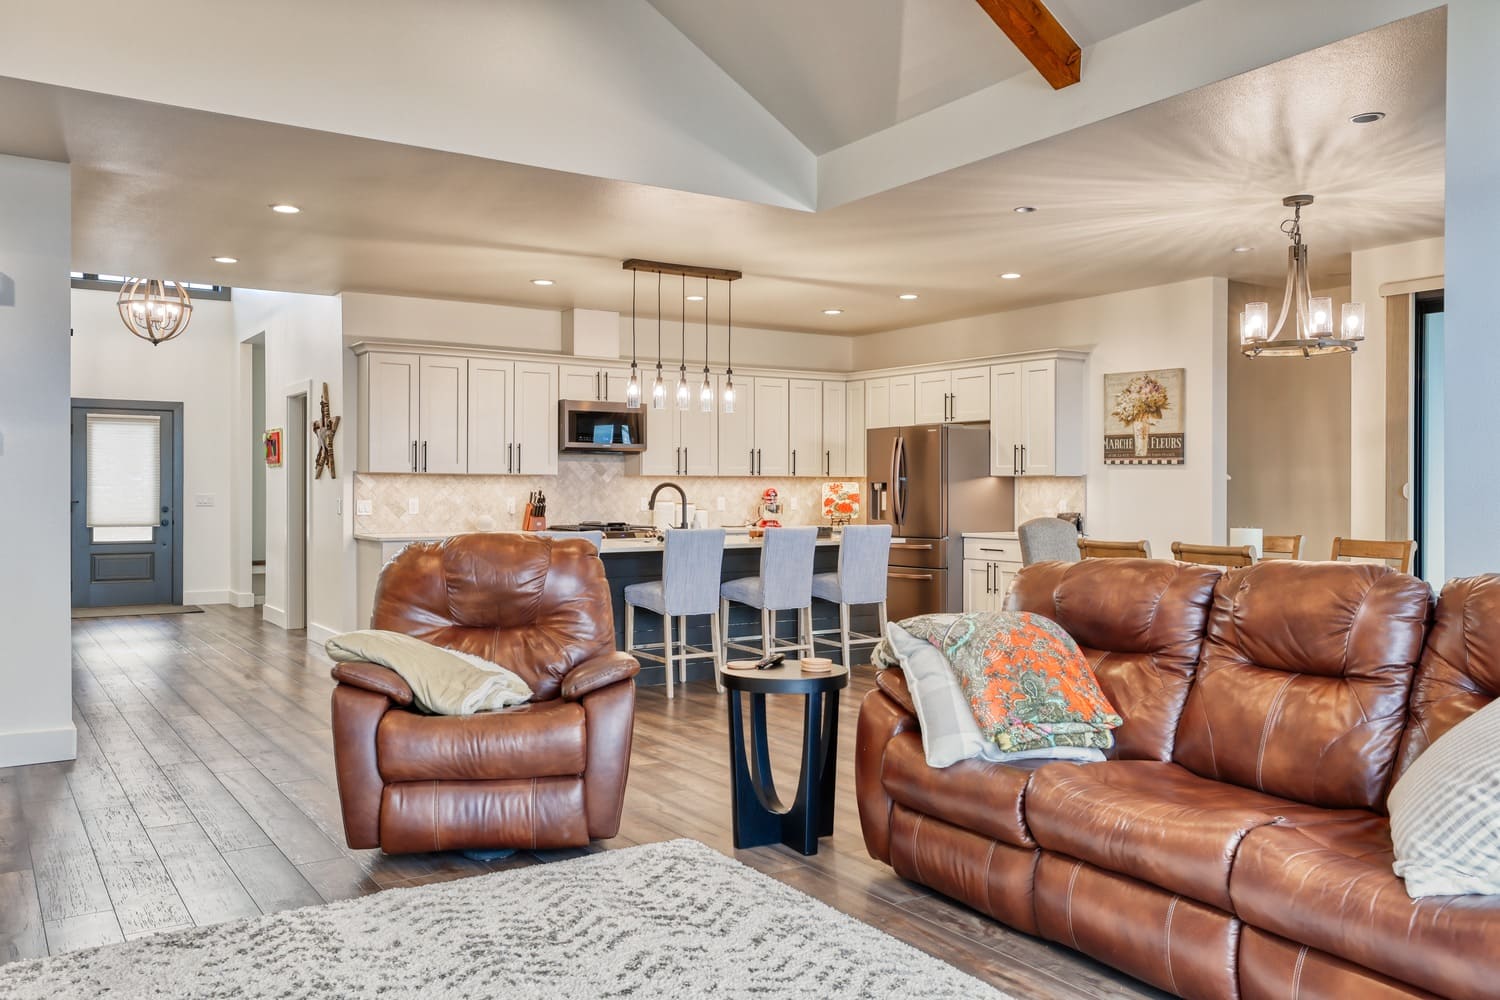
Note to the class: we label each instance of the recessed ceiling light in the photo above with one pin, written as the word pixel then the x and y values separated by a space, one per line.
pixel 907 296
pixel 544 282
pixel 1024 209
pixel 833 312
pixel 226 260
pixel 1243 249
pixel 284 209
pixel 1011 275
pixel 1367 117
pixel 695 298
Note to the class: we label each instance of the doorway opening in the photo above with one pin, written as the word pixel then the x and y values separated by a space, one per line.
pixel 257 458
pixel 298 499
pixel 127 499
pixel 1427 437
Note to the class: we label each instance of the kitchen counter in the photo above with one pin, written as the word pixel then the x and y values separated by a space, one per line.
pixel 611 545
pixel 999 536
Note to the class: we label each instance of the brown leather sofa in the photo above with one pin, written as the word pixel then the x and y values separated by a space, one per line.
pixel 1236 844
pixel 547 774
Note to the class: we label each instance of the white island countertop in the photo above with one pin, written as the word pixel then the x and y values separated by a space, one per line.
pixel 734 540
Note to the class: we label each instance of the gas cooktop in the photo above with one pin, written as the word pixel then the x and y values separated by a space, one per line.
pixel 611 529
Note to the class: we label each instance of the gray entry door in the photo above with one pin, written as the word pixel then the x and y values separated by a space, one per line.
pixel 126 489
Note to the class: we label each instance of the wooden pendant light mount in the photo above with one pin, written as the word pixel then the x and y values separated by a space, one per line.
pixel 686 270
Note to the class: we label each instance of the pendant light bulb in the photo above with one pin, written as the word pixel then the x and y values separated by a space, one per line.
pixel 684 392
pixel 727 396
pixel 658 392
pixel 633 390
pixel 706 394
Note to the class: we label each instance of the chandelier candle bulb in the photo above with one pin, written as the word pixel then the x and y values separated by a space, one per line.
pixel 1254 321
pixel 1321 310
pixel 1353 325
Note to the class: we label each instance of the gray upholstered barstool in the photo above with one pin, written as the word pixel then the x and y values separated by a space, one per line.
pixel 691 563
pixel 1045 539
pixel 864 558
pixel 784 584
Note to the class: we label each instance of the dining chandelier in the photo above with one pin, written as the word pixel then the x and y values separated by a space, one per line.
pixel 154 309
pixel 1311 331
pixel 683 394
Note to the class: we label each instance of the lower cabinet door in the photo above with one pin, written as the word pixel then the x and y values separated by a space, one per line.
pixel 977 585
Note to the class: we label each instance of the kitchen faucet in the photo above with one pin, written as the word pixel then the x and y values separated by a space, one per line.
pixel 682 506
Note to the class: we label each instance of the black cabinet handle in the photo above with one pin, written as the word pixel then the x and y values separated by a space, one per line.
pixel 414 456
pixel 827 463
pixel 1023 460
pixel 1015 460
pixel 424 456
pixel 518 458
pixel 510 458
pixel 794 461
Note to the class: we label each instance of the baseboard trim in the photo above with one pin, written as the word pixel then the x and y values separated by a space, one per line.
pixel 242 598
pixel 38 746
pixel 276 616
pixel 208 597
pixel 319 633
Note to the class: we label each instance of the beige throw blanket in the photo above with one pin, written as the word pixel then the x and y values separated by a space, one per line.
pixel 443 681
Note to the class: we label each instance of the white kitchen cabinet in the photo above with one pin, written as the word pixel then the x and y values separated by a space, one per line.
pixel 805 426
pixel 443 414
pixel 388 439
pixel 903 411
pixel 1037 411
pixel 855 411
pixel 970 399
pixel 737 432
pixel 772 441
pixel 986 584
pixel 596 382
pixel 536 418
pixel 679 442
pixel 699 434
pixel 877 403
pixel 834 459
pixel 932 393
pixel 492 449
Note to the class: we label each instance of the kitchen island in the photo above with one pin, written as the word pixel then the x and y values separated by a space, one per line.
pixel 636 560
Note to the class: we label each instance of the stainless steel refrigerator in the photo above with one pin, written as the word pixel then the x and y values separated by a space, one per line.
pixel 931 483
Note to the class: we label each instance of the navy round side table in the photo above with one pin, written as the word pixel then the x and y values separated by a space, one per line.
pixel 760 817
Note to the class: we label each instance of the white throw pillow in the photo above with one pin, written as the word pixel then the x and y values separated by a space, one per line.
pixel 1445 812
pixel 949 732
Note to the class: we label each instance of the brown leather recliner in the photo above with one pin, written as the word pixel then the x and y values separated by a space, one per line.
pixel 547 774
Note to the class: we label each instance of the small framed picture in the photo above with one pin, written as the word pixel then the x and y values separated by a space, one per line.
pixel 273 447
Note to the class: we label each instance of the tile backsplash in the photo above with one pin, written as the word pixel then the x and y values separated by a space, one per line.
pixel 597 488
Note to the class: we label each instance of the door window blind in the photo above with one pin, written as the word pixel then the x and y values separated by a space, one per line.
pixel 124 470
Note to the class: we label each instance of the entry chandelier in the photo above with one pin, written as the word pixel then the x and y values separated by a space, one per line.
pixel 683 394
pixel 154 309
pixel 1311 330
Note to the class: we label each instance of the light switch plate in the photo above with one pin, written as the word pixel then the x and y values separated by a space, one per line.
pixel 510 505
pixel 338 506
pixel 412 507
pixel 203 500
pixel 363 508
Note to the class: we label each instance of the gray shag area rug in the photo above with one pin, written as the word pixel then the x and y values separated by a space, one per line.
pixel 672 920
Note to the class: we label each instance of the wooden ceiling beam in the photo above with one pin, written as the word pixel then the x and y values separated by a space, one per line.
pixel 1042 40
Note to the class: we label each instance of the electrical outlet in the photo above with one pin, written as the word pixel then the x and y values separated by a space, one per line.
pixel 720 504
pixel 363 508
pixel 338 506
pixel 412 507
pixel 203 500
pixel 510 505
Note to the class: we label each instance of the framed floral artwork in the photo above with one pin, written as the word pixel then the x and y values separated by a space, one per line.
pixel 273 448
pixel 1144 418
pixel 840 502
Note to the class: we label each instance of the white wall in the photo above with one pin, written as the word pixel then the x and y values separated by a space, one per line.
pixel 36 685
pixel 1473 232
pixel 1183 325
pixel 303 338
pixel 109 363
pixel 1369 269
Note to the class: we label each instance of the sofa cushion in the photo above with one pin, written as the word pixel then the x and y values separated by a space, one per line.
pixel 1302 690
pixel 530 741
pixel 975 794
pixel 1140 625
pixel 1153 820
pixel 1330 886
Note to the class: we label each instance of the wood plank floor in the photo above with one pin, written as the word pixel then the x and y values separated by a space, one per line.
pixel 204 791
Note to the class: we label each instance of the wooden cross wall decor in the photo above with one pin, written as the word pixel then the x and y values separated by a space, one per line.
pixel 324 428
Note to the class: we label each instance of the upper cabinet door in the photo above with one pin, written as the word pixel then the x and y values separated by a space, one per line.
pixel 443 408
pixel 877 403
pixel 663 454
pixel 1039 418
pixel 835 430
pixel 805 426
pixel 903 412
pixel 854 460
pixel 614 382
pixel 932 398
pixel 580 382
pixel 970 400
pixel 773 453
pixel 492 451
pixel 1006 420
pixel 737 432
pixel 698 435
pixel 389 406
pixel 536 419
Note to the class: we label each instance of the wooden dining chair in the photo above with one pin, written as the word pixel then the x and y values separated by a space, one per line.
pixel 1399 552
pixel 1096 548
pixel 1214 555
pixel 1282 546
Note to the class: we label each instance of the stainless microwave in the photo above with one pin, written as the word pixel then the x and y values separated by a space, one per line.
pixel 600 426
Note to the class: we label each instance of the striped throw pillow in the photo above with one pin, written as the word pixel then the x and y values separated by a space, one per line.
pixel 1445 812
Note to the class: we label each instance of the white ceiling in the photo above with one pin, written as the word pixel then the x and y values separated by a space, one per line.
pixel 1151 196
pixel 834 71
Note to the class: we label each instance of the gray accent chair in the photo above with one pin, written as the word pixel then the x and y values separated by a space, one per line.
pixel 692 562
pixel 1048 539
pixel 864 560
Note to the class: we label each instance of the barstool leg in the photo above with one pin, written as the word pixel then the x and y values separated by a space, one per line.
pixel 682 637
pixel 666 652
pixel 767 630
pixel 804 631
pixel 882 619
pixel 722 621
pixel 844 634
pixel 718 647
pixel 629 627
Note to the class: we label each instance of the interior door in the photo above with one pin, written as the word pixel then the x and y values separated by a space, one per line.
pixel 1005 420
pixel 805 426
pixel 491 448
pixel 392 413
pixel 126 492
pixel 1039 419
pixel 443 408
